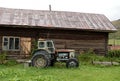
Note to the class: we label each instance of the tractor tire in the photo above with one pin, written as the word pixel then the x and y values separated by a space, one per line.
pixel 72 63
pixel 40 61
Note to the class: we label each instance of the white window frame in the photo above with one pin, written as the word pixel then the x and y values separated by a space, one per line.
pixel 8 48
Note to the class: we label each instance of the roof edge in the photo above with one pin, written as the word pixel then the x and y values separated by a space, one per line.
pixel 45 27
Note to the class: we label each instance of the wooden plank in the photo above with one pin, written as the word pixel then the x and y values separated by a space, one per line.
pixel 81 45
pixel 71 43
pixel 25 46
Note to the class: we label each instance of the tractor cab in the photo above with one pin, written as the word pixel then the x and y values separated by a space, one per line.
pixel 47 45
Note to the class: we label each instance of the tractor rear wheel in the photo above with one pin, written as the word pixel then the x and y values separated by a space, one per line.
pixel 71 63
pixel 40 61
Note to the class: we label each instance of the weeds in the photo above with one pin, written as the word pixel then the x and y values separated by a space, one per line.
pixel 11 62
pixel 3 57
pixel 113 53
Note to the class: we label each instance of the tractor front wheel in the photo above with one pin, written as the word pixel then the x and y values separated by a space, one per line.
pixel 71 63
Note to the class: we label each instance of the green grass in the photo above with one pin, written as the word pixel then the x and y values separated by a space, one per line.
pixel 114 41
pixel 59 73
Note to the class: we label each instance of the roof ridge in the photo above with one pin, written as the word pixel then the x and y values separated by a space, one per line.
pixel 51 11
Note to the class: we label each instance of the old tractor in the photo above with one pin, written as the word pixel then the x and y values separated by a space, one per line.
pixel 46 55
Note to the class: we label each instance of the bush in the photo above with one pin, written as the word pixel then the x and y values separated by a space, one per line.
pixel 87 56
pixel 113 53
pixel 101 58
pixel 34 47
pixel 3 57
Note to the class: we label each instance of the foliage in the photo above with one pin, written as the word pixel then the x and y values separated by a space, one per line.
pixel 3 60
pixel 101 58
pixel 3 57
pixel 116 23
pixel 83 73
pixel 114 41
pixel 115 35
pixel 34 47
pixel 11 62
pixel 87 56
pixel 114 53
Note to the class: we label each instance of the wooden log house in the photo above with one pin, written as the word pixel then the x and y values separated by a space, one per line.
pixel 20 29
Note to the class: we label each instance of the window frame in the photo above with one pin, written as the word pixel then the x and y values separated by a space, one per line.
pixel 8 45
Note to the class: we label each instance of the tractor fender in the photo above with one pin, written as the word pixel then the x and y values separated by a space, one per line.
pixel 37 54
pixel 40 51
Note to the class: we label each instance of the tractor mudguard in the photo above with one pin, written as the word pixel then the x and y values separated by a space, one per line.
pixel 38 51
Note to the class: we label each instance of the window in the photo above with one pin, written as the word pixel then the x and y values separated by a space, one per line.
pixel 49 44
pixel 11 43
pixel 41 44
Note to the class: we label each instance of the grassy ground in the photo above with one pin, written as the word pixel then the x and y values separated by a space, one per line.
pixel 114 41
pixel 59 73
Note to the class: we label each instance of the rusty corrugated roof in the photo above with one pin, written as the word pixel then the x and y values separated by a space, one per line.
pixel 56 19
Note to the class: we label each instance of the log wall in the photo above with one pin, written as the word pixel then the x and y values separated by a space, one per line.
pixel 64 39
pixel 78 40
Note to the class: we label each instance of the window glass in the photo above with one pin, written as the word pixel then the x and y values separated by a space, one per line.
pixel 5 44
pixel 16 43
pixel 5 39
pixel 49 44
pixel 11 43
pixel 41 44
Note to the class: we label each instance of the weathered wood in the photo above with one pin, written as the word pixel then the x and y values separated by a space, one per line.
pixel 80 46
pixel 63 39
pixel 25 46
